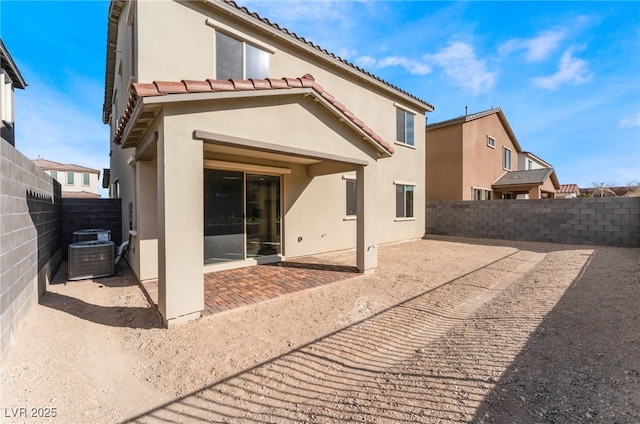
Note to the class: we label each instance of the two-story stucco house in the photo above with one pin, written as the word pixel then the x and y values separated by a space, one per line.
pixel 10 79
pixel 75 180
pixel 235 142
pixel 478 157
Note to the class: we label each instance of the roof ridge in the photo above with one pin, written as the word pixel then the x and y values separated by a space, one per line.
pixel 164 88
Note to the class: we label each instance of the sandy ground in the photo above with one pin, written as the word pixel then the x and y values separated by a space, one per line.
pixel 444 331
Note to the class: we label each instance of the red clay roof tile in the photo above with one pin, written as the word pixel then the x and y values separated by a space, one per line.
pixel 159 88
pixel 197 86
pixel 220 85
pixel 170 87
pixel 242 85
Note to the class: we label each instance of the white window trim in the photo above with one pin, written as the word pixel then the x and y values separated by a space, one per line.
pixel 348 177
pixel 407 218
pixel 82 182
pixel 408 146
pixel 510 158
pixel 483 192
pixel 239 35
pixel 493 146
pixel 406 109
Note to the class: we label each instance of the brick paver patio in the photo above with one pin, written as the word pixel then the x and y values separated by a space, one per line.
pixel 225 290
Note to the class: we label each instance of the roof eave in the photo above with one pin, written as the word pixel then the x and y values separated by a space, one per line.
pixel 12 69
pixel 317 52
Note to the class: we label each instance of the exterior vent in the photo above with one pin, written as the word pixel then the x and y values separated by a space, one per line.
pixel 91 234
pixel 91 259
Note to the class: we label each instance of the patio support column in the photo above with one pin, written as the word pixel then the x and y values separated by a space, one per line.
pixel 367 243
pixel 146 241
pixel 180 227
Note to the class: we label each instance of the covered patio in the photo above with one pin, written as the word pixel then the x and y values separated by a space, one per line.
pixel 240 287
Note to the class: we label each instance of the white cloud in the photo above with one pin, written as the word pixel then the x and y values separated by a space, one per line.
pixel 571 71
pixel 414 67
pixel 630 121
pixel 460 63
pixel 54 125
pixel 537 48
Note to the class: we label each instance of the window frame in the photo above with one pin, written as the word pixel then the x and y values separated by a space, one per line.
pixel 245 43
pixel 54 175
pixel 505 149
pixel 406 201
pixel 491 142
pixel 71 178
pixel 87 176
pixel 349 180
pixel 407 128
pixel 484 194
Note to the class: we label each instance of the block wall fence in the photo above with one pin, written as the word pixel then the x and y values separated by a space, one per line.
pixel 611 221
pixel 30 237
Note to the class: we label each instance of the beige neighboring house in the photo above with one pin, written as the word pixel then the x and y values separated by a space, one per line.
pixel 478 157
pixel 10 79
pixel 235 142
pixel 76 181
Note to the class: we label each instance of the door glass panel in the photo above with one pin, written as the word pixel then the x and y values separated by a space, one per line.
pixel 263 215
pixel 223 223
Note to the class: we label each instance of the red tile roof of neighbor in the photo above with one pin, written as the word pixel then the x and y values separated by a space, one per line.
pixel 164 88
pixel 568 188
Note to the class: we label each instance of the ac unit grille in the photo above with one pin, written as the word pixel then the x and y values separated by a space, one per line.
pixel 91 259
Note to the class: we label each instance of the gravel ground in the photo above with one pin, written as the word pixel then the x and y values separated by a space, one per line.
pixel 446 330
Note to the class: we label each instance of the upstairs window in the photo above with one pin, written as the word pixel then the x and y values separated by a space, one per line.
pixel 238 59
pixel 54 175
pixel 85 179
pixel 506 159
pixel 482 194
pixel 404 127
pixel 70 177
pixel 491 142
pixel 529 164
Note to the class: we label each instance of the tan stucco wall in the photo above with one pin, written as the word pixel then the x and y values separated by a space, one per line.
pixel 444 164
pixel 482 164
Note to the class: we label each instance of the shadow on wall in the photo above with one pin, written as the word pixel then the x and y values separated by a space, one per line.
pixel 46 214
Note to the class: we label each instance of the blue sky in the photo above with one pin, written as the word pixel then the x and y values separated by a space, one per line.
pixel 566 74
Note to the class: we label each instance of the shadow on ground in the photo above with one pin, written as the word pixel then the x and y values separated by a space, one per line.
pixel 64 296
pixel 539 349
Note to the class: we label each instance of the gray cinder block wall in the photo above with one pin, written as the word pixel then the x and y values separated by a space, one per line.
pixel 82 214
pixel 30 237
pixel 611 221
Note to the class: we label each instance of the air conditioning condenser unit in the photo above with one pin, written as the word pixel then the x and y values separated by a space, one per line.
pixel 91 259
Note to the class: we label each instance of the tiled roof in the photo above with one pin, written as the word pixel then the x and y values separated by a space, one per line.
pixel 529 177
pixel 288 33
pixel 472 117
pixel 568 188
pixel 165 88
pixel 49 165
pixel 115 9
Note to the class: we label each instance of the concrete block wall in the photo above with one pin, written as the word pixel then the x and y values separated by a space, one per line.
pixel 83 214
pixel 30 237
pixel 611 221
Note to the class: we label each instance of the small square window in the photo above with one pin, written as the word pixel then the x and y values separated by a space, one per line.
pixel 404 127
pixel 491 142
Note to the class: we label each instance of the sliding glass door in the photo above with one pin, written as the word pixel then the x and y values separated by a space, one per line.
pixel 241 216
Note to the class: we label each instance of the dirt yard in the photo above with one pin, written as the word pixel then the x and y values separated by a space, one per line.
pixel 445 331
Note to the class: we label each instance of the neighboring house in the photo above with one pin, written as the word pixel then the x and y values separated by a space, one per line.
pixel 228 147
pixel 568 191
pixel 478 157
pixel 76 181
pixel 10 79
